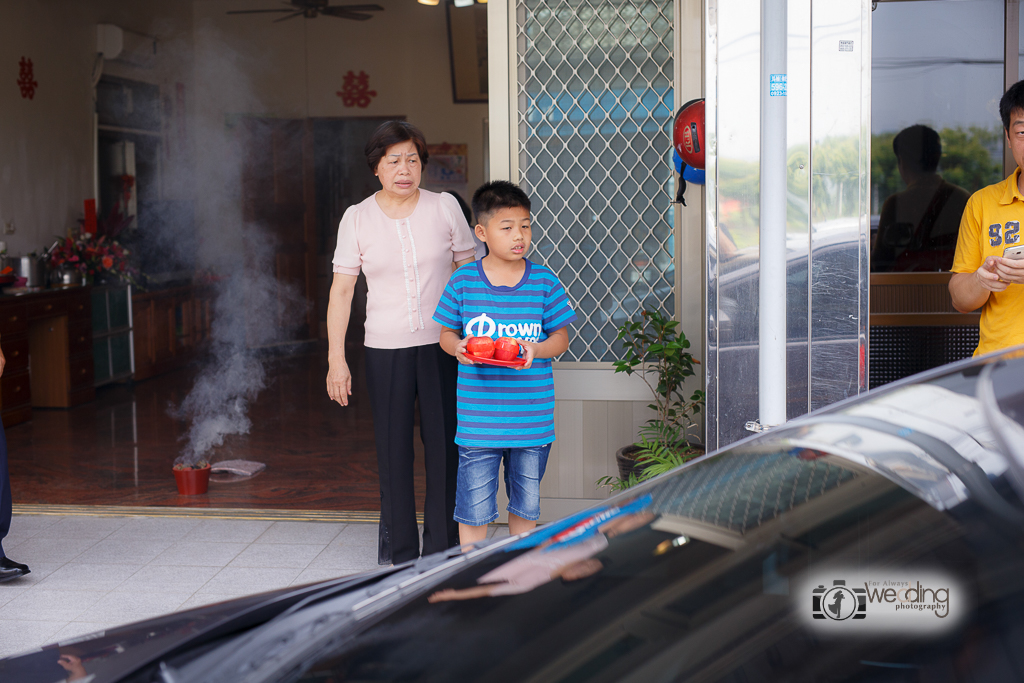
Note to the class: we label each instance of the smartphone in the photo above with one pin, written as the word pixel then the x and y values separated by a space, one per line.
pixel 1014 252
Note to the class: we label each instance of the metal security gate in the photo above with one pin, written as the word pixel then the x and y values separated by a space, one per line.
pixel 593 116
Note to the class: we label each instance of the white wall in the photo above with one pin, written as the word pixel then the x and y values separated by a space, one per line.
pixel 46 143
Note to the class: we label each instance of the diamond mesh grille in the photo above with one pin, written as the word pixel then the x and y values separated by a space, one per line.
pixel 594 119
pixel 741 493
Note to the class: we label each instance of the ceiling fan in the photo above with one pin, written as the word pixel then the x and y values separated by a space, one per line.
pixel 310 9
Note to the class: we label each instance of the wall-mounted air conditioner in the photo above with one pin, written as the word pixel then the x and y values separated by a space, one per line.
pixel 118 44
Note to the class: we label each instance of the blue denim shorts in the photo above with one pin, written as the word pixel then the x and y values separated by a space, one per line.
pixel 476 495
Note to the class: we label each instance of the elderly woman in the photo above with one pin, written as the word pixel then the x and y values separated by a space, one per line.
pixel 407 241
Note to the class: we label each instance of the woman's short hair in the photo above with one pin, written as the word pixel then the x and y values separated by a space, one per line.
pixel 391 133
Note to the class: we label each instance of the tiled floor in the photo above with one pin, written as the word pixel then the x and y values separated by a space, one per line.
pixel 90 573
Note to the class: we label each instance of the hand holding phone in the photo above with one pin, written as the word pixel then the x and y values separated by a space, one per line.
pixel 1010 269
pixel 1015 252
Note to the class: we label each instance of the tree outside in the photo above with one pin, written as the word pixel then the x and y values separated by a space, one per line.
pixel 971 158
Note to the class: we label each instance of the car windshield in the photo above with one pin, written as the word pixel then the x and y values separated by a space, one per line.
pixel 879 540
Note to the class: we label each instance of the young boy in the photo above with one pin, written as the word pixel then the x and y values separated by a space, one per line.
pixel 503 410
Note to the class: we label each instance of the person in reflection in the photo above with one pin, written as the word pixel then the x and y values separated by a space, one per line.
pixel 407 241
pixel 985 274
pixel 9 569
pixel 550 560
pixel 73 665
pixel 918 226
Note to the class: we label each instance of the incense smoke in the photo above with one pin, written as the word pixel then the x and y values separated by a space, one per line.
pixel 248 304
pixel 251 309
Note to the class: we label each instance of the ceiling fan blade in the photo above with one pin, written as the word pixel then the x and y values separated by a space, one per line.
pixel 348 11
pixel 353 16
pixel 257 11
pixel 356 8
pixel 290 16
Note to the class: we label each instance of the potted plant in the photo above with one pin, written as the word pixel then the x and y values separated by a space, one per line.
pixel 655 349
pixel 193 479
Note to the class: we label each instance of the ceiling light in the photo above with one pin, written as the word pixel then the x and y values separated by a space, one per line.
pixel 464 3
pixel 428 2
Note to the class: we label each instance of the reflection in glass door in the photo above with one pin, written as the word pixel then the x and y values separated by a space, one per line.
pixel 937 75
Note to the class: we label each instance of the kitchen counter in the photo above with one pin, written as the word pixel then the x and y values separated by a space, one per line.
pixel 46 337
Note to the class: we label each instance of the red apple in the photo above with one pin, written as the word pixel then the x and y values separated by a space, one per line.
pixel 506 348
pixel 481 347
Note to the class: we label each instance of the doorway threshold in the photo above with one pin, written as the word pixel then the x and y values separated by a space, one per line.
pixel 334 516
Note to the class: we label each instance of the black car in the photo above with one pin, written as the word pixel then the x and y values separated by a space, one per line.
pixel 878 539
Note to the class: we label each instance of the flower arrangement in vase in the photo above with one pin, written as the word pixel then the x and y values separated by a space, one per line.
pixel 94 256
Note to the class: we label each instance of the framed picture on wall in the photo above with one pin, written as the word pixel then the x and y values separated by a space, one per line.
pixel 448 165
pixel 467 50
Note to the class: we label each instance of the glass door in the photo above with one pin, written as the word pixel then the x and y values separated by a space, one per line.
pixel 938 70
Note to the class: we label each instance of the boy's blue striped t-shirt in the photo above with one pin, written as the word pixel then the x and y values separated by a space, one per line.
pixel 502 407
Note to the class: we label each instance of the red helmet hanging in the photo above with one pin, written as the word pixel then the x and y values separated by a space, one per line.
pixel 688 133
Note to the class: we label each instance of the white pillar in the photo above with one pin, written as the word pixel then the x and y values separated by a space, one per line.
pixel 772 293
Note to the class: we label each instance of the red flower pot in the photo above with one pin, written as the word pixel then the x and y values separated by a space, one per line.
pixel 192 482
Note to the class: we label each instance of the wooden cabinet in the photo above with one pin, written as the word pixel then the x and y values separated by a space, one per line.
pixel 168 327
pixel 46 342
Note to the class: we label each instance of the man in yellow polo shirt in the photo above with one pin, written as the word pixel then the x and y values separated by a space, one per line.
pixel 983 278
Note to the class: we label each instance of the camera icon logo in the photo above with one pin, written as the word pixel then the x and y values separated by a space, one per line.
pixel 839 602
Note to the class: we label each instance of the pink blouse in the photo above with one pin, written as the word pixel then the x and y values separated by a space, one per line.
pixel 407 264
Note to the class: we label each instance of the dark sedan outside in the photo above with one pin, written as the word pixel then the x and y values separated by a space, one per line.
pixel 881 538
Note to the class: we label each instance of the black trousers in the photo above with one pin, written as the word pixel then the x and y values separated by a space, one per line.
pixel 5 491
pixel 396 378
